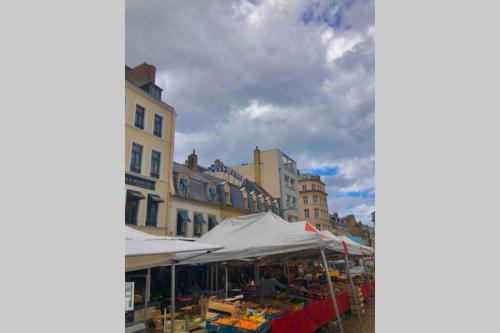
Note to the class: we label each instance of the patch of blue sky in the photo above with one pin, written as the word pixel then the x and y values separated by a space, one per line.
pixel 326 171
pixel 332 15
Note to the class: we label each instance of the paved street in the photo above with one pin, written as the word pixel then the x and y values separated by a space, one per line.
pixel 351 323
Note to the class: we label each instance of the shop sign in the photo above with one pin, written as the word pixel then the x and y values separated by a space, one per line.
pixel 129 296
pixel 225 169
pixel 138 181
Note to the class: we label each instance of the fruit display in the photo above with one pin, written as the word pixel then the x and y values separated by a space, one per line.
pixel 251 323
pixel 224 321
pixel 249 304
pixel 272 311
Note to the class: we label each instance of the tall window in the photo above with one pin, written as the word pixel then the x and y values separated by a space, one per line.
pixel 155 163
pixel 316 212
pixel 304 187
pixel 152 213
pixel 313 186
pixel 306 213
pixel 318 226
pixel 184 185
pixel 131 209
pixel 212 195
pixel 306 199
pixel 315 199
pixel 158 125
pixel 198 224
pixel 294 202
pixel 136 158
pixel 139 116
pixel 212 222
pixel 182 220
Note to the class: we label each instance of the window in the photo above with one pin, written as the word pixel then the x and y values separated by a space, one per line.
pixel 315 199
pixel 316 212
pixel 212 222
pixel 155 164
pixel 306 200
pixel 198 224
pixel 306 213
pixel 132 206
pixel 136 158
pixel 139 116
pixel 158 125
pixel 294 202
pixel 212 195
pixel 318 226
pixel 288 198
pixel 152 213
pixel 313 186
pixel 184 186
pixel 182 219
pixel 304 187
pixel 292 182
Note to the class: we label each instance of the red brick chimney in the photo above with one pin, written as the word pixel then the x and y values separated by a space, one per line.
pixel 192 161
pixel 142 74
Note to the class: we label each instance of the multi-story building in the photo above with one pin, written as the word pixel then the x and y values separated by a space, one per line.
pixel 202 197
pixel 149 143
pixel 313 202
pixel 241 196
pixel 278 174
pixel 195 202
pixel 338 225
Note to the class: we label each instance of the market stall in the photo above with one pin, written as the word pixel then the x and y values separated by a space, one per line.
pixel 143 250
pixel 254 237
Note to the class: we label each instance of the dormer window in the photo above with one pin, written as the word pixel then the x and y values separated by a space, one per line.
pixel 212 194
pixel 184 187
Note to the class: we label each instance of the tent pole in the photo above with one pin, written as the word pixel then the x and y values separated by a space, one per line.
pixel 332 292
pixel 216 278
pixel 146 293
pixel 172 297
pixel 211 280
pixel 226 280
pixel 354 294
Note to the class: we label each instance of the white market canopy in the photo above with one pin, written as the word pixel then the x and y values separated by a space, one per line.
pixel 143 250
pixel 258 235
pixel 353 247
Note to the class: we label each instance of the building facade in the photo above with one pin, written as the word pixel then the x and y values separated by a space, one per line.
pixel 149 143
pixel 338 225
pixel 313 202
pixel 240 195
pixel 195 203
pixel 278 174
pixel 201 197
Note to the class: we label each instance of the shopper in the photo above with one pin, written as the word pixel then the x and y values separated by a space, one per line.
pixel 269 284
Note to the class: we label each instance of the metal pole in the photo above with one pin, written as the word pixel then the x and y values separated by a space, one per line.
pixel 211 280
pixel 332 292
pixel 226 280
pixel 172 297
pixel 216 278
pixel 146 293
pixel 354 294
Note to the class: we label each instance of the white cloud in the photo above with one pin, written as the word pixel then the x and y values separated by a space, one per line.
pixel 242 73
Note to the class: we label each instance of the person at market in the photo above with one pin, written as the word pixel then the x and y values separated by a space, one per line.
pixel 243 280
pixel 195 292
pixel 269 284
pixel 283 279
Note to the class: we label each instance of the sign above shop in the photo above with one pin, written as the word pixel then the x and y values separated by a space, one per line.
pixel 220 167
pixel 138 181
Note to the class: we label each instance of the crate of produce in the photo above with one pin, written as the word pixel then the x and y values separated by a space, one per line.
pixel 222 306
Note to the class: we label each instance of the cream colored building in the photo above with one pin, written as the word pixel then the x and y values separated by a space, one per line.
pixel 149 143
pixel 195 203
pixel 277 173
pixel 313 202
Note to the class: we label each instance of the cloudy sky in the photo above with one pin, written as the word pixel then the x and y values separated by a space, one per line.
pixel 292 74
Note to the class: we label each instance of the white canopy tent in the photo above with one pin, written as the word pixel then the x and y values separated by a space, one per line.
pixel 353 247
pixel 143 250
pixel 259 235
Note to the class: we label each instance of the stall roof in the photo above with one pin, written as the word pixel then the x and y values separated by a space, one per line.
pixel 143 250
pixel 259 235
pixel 353 247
